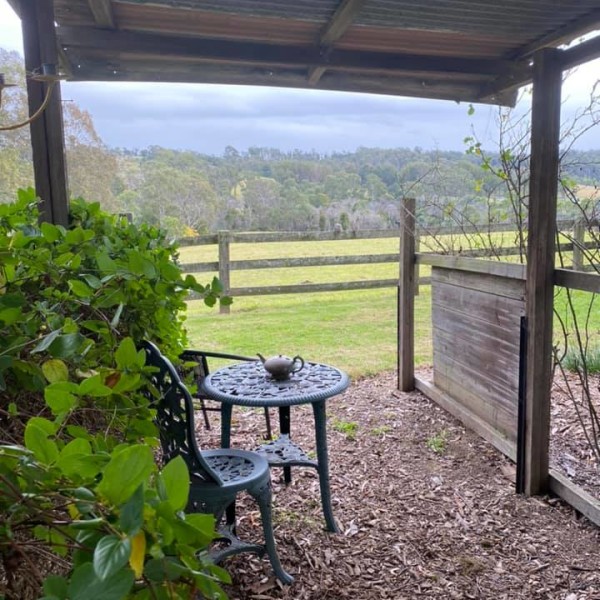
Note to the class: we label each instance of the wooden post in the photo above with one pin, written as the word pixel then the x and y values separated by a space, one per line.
pixel 224 266
pixel 417 273
pixel 545 126
pixel 47 136
pixel 406 297
pixel 578 241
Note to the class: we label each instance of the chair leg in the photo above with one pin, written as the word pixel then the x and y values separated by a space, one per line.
pixel 230 518
pixel 268 423
pixel 263 499
pixel 205 414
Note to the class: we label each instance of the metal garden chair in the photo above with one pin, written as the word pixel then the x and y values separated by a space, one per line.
pixel 201 370
pixel 217 476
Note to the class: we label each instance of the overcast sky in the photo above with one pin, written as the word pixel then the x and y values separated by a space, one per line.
pixel 207 118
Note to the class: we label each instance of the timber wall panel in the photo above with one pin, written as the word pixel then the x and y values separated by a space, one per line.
pixel 476 329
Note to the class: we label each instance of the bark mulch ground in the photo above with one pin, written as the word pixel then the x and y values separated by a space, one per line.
pixel 427 510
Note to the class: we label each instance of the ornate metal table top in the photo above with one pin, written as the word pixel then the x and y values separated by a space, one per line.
pixel 248 384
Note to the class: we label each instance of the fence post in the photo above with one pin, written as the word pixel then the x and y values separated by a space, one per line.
pixel 417 274
pixel 224 237
pixel 406 297
pixel 578 241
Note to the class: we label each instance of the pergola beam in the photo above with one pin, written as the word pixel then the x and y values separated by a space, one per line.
pixel 506 84
pixel 103 13
pixel 582 53
pixel 333 31
pixel 249 53
pixel 578 27
pixel 543 185
pixel 569 59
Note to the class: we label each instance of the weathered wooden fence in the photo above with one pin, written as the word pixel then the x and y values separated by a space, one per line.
pixel 479 371
pixel 224 265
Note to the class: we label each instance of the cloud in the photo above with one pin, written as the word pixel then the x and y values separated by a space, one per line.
pixel 207 118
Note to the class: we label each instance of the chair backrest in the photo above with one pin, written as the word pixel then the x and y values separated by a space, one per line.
pixel 175 415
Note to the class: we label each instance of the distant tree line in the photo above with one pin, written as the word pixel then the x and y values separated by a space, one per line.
pixel 264 188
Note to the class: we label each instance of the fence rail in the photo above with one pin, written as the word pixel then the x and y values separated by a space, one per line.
pixel 224 265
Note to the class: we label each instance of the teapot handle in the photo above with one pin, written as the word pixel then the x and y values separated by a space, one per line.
pixel 294 360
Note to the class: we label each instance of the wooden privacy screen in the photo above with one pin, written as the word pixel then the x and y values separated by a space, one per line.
pixel 476 331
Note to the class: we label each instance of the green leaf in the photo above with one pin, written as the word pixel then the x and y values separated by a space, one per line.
pixel 125 472
pixel 45 425
pixel 188 533
pixel 88 524
pixel 204 523
pixel 126 383
pixel 55 370
pixel 164 569
pixel 66 346
pixel 58 399
pixel 105 263
pixel 126 354
pixel 79 288
pixel 166 531
pixel 76 446
pixel 50 232
pixel 55 585
pixel 78 432
pixel 132 513
pixel 85 466
pixel 36 440
pixel 92 281
pixel 95 326
pixel 94 387
pixel 46 341
pixel 117 316
pixel 111 553
pixel 176 478
pixel 141 265
pixel 216 286
pixel 9 316
pixel 86 585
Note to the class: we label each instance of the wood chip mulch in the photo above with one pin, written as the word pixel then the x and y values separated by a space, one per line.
pixel 427 510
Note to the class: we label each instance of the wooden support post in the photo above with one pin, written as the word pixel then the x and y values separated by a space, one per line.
pixel 545 126
pixel 578 241
pixel 406 298
pixel 417 270
pixel 47 137
pixel 224 270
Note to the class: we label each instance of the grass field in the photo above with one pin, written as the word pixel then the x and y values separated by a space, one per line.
pixel 354 330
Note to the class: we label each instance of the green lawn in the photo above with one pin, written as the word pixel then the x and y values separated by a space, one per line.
pixel 354 330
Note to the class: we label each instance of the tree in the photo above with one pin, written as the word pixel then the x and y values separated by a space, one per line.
pixel 91 167
pixel 16 169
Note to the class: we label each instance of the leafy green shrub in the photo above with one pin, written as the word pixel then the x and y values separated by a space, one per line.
pixel 79 486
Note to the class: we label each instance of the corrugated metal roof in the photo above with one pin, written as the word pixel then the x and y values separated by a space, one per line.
pixel 457 49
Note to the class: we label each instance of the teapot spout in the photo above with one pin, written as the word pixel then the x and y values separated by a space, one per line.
pixel 262 358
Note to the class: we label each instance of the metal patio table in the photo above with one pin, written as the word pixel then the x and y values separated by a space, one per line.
pixel 248 384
